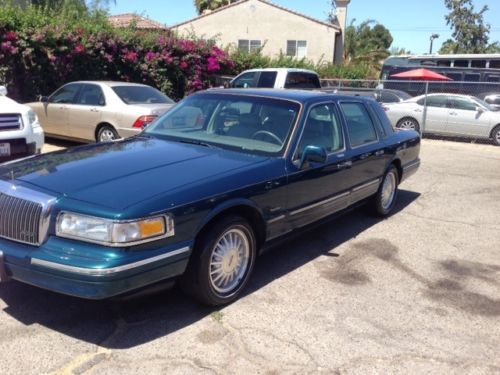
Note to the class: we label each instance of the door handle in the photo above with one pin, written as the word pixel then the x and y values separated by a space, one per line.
pixel 453 113
pixel 94 110
pixel 345 165
pixel 379 152
pixel 364 156
pixel 418 110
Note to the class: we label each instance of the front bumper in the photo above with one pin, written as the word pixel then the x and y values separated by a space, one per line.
pixel 86 271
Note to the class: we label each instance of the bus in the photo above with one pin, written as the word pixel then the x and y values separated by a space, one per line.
pixel 471 74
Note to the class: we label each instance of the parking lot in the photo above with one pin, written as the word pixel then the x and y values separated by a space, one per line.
pixel 418 292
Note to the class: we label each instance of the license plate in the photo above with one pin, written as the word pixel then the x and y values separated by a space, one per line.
pixel 4 149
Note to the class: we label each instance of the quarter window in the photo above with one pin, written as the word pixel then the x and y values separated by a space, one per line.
pixel 359 124
pixel 296 48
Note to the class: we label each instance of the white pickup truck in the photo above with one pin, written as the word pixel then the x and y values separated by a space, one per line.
pixel 20 130
pixel 277 78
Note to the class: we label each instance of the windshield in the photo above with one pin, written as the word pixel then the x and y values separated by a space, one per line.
pixel 141 95
pixel 238 122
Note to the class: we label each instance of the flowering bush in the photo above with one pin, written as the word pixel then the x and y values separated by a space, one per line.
pixel 39 53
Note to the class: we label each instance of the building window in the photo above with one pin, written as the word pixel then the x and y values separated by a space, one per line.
pixel 249 45
pixel 296 48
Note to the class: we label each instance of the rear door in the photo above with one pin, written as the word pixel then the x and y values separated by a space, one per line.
pixel 436 118
pixel 366 151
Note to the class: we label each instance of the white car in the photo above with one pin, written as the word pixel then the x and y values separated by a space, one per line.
pixel 447 114
pixel 20 130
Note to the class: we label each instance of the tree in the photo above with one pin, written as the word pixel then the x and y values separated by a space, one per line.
pixel 470 32
pixel 366 44
pixel 203 5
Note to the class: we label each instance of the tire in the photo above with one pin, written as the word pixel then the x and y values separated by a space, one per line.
pixel 408 123
pixel 106 134
pixel 385 199
pixel 222 262
pixel 495 135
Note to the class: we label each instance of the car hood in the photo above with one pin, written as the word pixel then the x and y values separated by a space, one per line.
pixel 123 173
pixel 8 105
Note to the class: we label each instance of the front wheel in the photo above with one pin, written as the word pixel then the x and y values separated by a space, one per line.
pixel 385 199
pixel 495 135
pixel 223 262
pixel 107 134
pixel 408 123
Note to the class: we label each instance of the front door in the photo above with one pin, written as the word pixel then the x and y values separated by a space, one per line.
pixel 466 119
pixel 54 118
pixel 319 189
pixel 86 113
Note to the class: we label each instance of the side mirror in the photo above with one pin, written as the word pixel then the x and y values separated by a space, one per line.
pixel 44 99
pixel 314 154
pixel 479 109
pixel 3 91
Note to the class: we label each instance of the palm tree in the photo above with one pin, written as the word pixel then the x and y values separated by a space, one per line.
pixel 202 5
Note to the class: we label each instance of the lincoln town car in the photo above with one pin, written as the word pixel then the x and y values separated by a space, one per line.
pixel 198 194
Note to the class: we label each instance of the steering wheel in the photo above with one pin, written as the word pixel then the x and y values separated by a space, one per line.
pixel 267 133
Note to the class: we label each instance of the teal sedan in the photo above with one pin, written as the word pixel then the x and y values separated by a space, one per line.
pixel 197 195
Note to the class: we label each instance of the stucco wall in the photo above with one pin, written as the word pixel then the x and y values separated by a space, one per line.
pixel 254 20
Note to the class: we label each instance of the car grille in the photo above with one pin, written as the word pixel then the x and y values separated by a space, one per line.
pixel 20 219
pixel 10 122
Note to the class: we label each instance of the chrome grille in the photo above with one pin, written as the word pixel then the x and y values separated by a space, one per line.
pixel 20 219
pixel 10 122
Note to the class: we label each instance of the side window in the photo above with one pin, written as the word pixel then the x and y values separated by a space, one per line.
pixel 66 94
pixel 302 80
pixel 359 124
pixel 91 95
pixel 245 80
pixel 388 97
pixel 439 101
pixel 267 79
pixel 463 104
pixel 322 128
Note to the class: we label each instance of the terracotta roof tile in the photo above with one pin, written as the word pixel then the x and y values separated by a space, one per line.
pixel 126 19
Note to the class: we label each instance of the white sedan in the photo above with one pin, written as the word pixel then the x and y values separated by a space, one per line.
pixel 447 114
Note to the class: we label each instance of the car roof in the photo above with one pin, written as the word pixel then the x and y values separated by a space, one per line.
pixel 111 83
pixel 280 70
pixel 288 94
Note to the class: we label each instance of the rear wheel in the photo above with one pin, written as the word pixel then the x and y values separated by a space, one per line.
pixel 222 262
pixel 495 135
pixel 385 199
pixel 106 134
pixel 408 123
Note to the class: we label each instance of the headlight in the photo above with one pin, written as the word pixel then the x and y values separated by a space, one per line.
pixel 113 233
pixel 33 118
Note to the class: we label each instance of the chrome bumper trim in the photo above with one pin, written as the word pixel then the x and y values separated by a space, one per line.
pixel 106 271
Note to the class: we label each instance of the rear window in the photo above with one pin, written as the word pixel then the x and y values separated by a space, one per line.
pixel 141 95
pixel 301 80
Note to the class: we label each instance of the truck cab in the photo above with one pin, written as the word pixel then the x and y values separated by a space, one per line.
pixel 277 78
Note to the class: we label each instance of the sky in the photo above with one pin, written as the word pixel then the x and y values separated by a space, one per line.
pixel 411 22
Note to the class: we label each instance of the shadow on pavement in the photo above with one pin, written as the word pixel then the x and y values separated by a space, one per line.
pixel 125 324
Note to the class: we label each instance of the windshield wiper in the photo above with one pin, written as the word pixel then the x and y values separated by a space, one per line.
pixel 196 142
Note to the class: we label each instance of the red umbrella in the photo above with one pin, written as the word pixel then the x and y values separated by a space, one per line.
pixel 422 75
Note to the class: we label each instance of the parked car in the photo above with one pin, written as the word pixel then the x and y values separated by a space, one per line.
pixel 20 131
pixel 278 78
pixel 380 95
pixel 492 98
pixel 447 114
pixel 100 111
pixel 198 193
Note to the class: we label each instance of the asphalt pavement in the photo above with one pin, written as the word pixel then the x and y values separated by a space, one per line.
pixel 418 292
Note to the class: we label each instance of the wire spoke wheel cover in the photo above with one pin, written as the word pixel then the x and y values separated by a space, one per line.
pixel 229 261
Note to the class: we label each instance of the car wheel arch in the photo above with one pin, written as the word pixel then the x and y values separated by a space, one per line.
pixel 100 126
pixel 494 130
pixel 408 118
pixel 397 163
pixel 244 208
